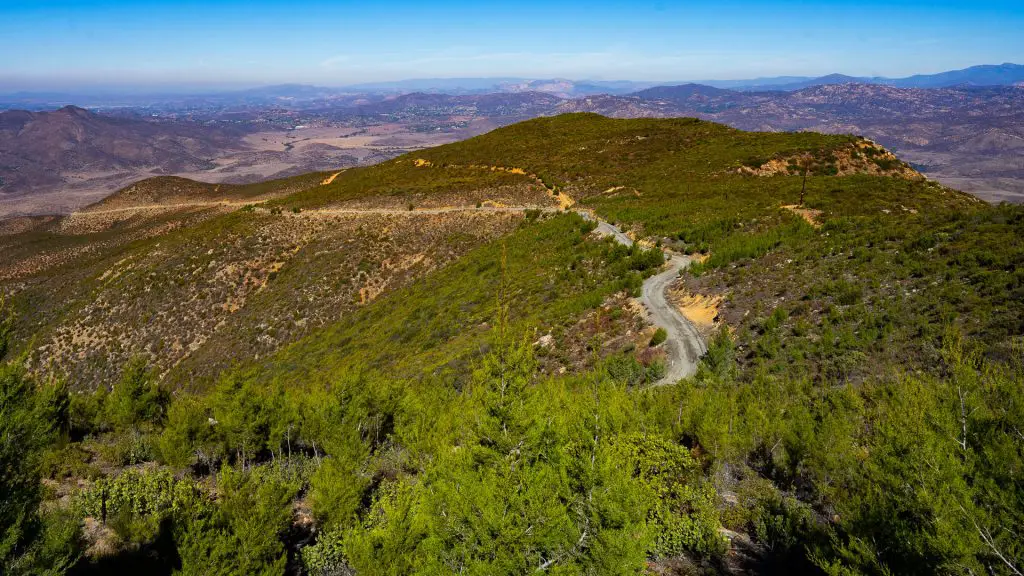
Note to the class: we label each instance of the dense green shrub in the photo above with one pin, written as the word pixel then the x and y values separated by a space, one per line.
pixel 242 533
pixel 31 417
pixel 137 399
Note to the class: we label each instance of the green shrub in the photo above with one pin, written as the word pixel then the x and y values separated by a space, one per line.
pixel 327 556
pixel 626 370
pixel 27 428
pixel 137 398
pixel 6 327
pixel 190 435
pixel 660 335
pixel 685 517
pixel 243 533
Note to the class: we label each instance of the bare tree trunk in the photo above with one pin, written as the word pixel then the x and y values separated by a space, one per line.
pixel 803 187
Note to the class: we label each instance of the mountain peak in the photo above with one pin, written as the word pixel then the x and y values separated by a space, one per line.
pixel 71 109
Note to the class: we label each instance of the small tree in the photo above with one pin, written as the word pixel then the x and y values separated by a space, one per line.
pixel 137 398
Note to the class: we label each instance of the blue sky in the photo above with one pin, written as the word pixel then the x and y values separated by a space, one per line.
pixel 46 44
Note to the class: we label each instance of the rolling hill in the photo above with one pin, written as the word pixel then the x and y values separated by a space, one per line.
pixel 45 152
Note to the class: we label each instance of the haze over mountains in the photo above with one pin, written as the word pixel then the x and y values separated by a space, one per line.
pixel 963 127
pixel 1006 74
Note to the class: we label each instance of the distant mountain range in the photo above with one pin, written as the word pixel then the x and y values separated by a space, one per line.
pixel 971 138
pixel 986 75
pixel 1006 74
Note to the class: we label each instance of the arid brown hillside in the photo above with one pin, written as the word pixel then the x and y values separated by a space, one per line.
pixel 196 276
pixel 44 145
pixel 43 151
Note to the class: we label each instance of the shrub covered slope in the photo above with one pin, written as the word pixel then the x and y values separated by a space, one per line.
pixel 860 409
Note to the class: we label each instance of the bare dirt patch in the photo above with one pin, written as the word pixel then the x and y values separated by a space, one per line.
pixel 809 214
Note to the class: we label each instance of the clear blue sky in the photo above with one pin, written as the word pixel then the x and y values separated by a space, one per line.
pixel 47 44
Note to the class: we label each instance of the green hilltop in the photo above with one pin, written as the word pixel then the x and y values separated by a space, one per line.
pixel 434 366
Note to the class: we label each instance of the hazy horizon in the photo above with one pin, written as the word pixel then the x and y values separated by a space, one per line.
pixel 192 88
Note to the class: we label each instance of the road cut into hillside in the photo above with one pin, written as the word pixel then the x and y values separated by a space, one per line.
pixel 684 344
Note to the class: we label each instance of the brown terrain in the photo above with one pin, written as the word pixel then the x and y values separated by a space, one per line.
pixel 57 162
pixel 51 160
pixel 195 275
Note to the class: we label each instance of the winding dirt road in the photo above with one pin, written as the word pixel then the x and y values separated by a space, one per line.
pixel 684 345
pixel 318 211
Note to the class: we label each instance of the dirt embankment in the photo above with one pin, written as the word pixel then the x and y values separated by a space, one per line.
pixel 860 157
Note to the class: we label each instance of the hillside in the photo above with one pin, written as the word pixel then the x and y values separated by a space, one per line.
pixel 439 364
pixel 41 151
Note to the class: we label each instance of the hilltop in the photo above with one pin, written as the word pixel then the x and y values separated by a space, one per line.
pixel 965 137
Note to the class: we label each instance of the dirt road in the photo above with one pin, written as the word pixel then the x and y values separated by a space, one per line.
pixel 684 345
pixel 319 211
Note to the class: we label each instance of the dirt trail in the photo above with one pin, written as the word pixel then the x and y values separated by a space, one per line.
pixel 564 200
pixel 331 178
pixel 684 344
pixel 322 211
pixel 142 207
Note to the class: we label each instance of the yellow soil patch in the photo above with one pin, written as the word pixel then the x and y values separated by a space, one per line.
pixel 699 258
pixel 808 214
pixel 701 310
pixel 564 202
pixel 330 178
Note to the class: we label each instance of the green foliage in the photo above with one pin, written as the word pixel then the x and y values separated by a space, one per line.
pixel 137 399
pixel 327 556
pixel 6 327
pixel 30 419
pixel 909 462
pixel 424 440
pixel 660 335
pixel 684 518
pixel 242 533
pixel 137 503
pixel 534 480
pixel 743 246
pixel 88 412
pixel 628 371
pixel 190 435
pixel 238 533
